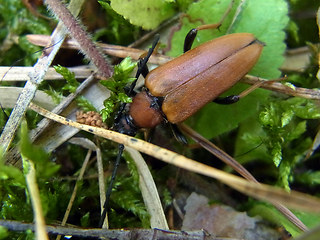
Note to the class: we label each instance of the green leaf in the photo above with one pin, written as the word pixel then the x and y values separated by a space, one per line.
pixel 276 153
pixel 145 13
pixel 3 232
pixel 55 95
pixel 85 220
pixel 215 119
pixel 72 83
pixel 12 176
pixel 85 104
pixel 125 67
pixel 286 117
pixel 120 79
pixel 71 86
pixel 309 178
pixel 307 109
pixel 40 158
pixel 249 143
pixel 124 98
pixel 298 130
pixel 111 85
pixel 284 174
pixel 105 113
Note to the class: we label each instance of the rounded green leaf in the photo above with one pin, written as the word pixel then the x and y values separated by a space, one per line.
pixel 145 13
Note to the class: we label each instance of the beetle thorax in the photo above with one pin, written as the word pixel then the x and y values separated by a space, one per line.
pixel 145 111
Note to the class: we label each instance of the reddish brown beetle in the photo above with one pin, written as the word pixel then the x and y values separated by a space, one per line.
pixel 179 88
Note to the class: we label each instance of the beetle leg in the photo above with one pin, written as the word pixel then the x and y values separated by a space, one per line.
pixel 227 100
pixel 188 41
pixel 235 98
pixel 193 32
pixel 178 134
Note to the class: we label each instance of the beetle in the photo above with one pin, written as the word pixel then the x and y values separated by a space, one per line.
pixel 177 89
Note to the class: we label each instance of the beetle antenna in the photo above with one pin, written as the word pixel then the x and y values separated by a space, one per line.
pixel 19 60
pixel 142 67
pixel 113 177
pixel 143 62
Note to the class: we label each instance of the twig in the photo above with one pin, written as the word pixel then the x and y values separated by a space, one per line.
pixel 313 94
pixel 121 234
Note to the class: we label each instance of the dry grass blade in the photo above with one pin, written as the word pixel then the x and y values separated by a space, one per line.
pixel 313 234
pixel 40 230
pixel 264 192
pixel 9 95
pixel 19 74
pixel 149 192
pixel 88 144
pixel 74 192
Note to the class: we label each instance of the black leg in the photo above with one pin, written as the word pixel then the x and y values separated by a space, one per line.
pixel 193 32
pixel 178 134
pixel 188 41
pixel 227 100
pixel 108 194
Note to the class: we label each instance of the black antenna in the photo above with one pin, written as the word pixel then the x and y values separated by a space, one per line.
pixel 142 64
pixel 142 68
pixel 15 63
pixel 19 60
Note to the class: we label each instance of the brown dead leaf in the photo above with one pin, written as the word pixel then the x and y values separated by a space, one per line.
pixel 224 221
